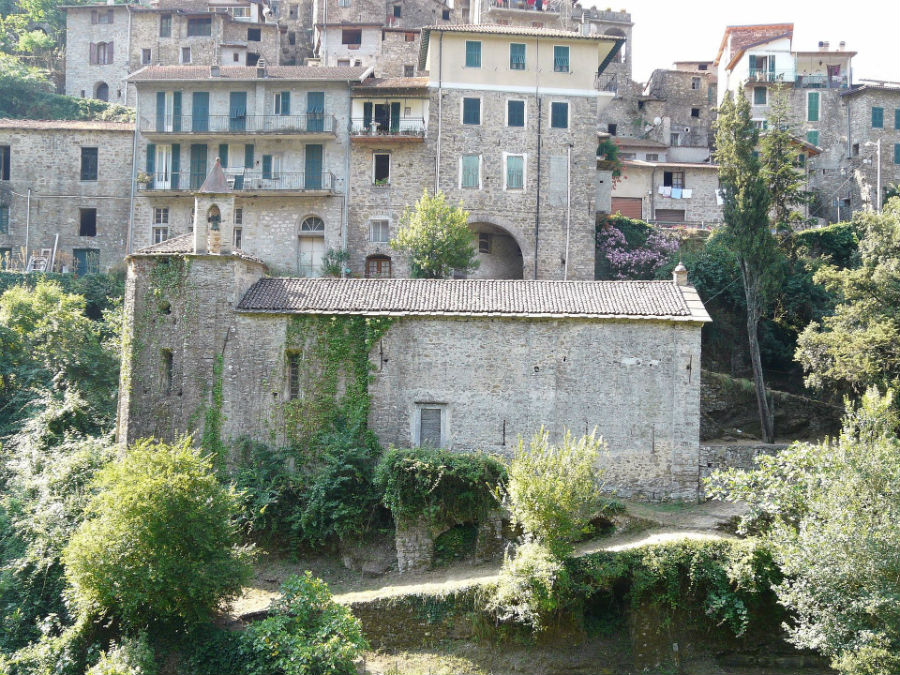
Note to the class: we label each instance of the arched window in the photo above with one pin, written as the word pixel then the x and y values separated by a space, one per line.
pixel 101 92
pixel 378 267
pixel 312 225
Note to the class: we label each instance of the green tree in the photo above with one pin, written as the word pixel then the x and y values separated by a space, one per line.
pixel 159 545
pixel 746 211
pixel 436 238
pixel 831 514
pixel 859 344
pixel 779 154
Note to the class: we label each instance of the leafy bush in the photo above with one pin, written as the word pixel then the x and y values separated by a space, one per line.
pixel 58 652
pixel 456 543
pixel 441 486
pixel 306 633
pixel 533 585
pixel 837 244
pixel 132 656
pixel 159 545
pixel 268 493
pixel 27 99
pixel 640 259
pixel 553 491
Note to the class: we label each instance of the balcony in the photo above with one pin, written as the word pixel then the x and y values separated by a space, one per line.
pixel 247 181
pixel 772 76
pixel 320 125
pixel 405 128
pixel 822 81
pixel 524 5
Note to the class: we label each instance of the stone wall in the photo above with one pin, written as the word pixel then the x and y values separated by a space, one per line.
pixel 397 53
pixel 81 74
pixel 46 158
pixel 864 165
pixel 722 456
pixel 678 94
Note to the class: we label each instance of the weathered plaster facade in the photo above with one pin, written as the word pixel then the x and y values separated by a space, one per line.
pixel 45 158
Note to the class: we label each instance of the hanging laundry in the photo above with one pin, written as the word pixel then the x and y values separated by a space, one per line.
pixel 686 193
pixel 676 193
pixel 667 191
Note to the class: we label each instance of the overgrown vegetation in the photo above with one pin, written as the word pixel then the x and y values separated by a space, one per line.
pixel 36 100
pixel 632 249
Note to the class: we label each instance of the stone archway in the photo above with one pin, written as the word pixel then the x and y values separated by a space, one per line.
pixel 101 91
pixel 499 253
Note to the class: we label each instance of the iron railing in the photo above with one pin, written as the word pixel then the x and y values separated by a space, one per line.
pixel 767 75
pixel 245 180
pixel 822 82
pixel 405 126
pixel 238 124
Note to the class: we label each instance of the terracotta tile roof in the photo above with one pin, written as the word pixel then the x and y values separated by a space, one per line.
pixel 295 73
pixel 629 142
pixel 475 297
pixel 184 245
pixel 69 125
pixel 743 37
pixel 392 83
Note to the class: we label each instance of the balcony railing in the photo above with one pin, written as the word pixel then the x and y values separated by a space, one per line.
pixel 822 82
pixel 533 6
pixel 405 126
pixel 246 180
pixel 777 75
pixel 310 123
pixel 607 82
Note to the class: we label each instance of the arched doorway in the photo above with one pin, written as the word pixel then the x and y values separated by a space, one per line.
pixel 378 267
pixel 101 91
pixel 312 247
pixel 498 252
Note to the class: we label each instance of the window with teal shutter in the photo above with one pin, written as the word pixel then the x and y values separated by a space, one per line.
pixel 515 172
pixel 896 153
pixel 470 171
pixel 151 162
pixel 897 118
pixel 4 219
pixel 176 111
pixel 267 166
pixel 516 56
pixel 515 113
pixel 315 111
pixel 759 96
pixel 560 59
pixel 200 110
pixel 812 106
pixel 176 165
pixel 877 118
pixel 160 111
pixel 223 155
pixel 471 111
pixel 473 54
pixel 812 137
pixel 559 115
pixel 248 156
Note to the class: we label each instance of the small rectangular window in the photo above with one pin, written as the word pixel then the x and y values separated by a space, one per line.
pixel 484 242
pixel 760 95
pixel 87 226
pixel 161 216
pixel 515 113
pixel 702 66
pixel 237 238
pixel 160 233
pixel 652 156
pixel 89 164
pixel 351 37
pixel 167 365
pixel 6 261
pixel 283 103
pixel 380 231
pixel 560 59
pixel 430 426
pixel 812 106
pixel 695 83
pixel 445 14
pixel 199 27
pixel 409 71
pixel 695 112
pixel 239 216
pixel 145 56
pixel 812 137
pixel 516 56
pixel 673 179
pixel 293 376
pixel 559 115
pixel 382 164
pixel 341 3
pixel 254 34
pixel 471 111
pixel 293 9
pixel 877 118
pixel 515 172
pixel 471 172
pixel 397 11
pixel 409 37
pixel 165 25
pixel 611 129
pixel 5 156
pixel 4 219
pixel 473 54
pixel 185 54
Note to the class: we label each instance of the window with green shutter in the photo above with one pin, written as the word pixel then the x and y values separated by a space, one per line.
pixel 471 111
pixel 812 106
pixel 516 56
pixel 896 153
pixel 515 113
pixel 515 172
pixel 559 115
pixel 223 155
pixel 4 219
pixel 471 177
pixel 473 54
pixel 760 96
pixel 560 59
pixel 812 137
pixel 897 118
pixel 877 118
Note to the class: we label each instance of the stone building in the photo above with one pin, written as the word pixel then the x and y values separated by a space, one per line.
pixel 464 364
pixel 105 43
pixel 280 134
pixel 64 194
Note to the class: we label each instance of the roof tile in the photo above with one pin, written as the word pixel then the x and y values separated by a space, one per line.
pixel 226 73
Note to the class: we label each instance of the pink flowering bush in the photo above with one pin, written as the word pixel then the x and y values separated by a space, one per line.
pixel 635 262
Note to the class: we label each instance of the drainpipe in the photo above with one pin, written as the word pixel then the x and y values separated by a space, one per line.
pixel 437 156
pixel 568 208
pixel 134 148
pixel 650 216
pixel 537 209
pixel 27 223
pixel 345 207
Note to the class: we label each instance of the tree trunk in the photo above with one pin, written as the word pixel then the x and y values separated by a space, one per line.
pixel 751 293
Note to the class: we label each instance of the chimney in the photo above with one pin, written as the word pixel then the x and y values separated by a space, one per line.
pixel 827 46
pixel 821 46
pixel 679 275
pixel 842 45
pixel 261 68
pixel 214 71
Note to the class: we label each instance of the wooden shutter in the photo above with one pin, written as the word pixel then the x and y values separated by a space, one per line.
pixel 160 111
pixel 812 108
pixel 367 115
pixel 896 153
pixel 897 118
pixel 248 156
pixel 151 162
pixel 200 107
pixel 109 52
pixel 670 215
pixel 430 427
pixel 313 167
pixel 285 103
pixel 93 54
pixel 267 166
pixel 198 165
pixel 630 207
pixel 176 165
pixel 315 111
pixel 223 154
pixel 395 117
pixel 877 118
pixel 812 137
pixel 176 111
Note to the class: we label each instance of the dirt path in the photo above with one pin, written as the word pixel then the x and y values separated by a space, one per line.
pixel 647 524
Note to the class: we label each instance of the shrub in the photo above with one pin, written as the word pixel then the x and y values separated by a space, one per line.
pixel 159 545
pixel 553 491
pixel 635 259
pixel 132 656
pixel 443 487
pixel 532 586
pixel 306 633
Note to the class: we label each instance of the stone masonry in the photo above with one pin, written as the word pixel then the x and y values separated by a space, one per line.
pixel 46 157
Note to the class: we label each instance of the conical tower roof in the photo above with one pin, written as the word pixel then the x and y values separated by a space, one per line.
pixel 215 183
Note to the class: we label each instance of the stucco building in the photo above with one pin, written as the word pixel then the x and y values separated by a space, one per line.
pixel 64 194
pixel 464 364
